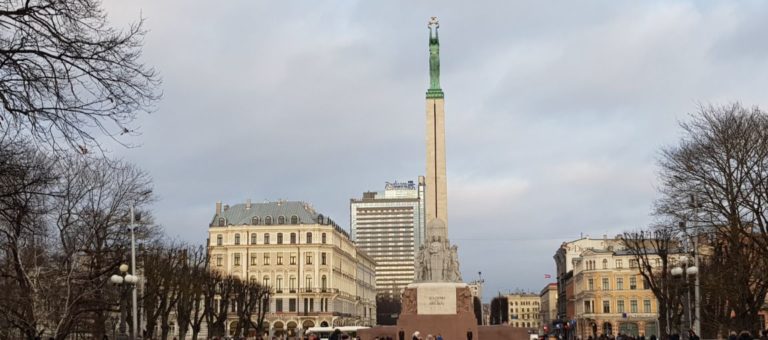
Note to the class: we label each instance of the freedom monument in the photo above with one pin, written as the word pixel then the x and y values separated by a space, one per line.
pixel 437 302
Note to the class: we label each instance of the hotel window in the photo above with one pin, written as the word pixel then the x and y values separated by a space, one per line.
pixel 591 284
pixel 266 238
pixel 309 238
pixel 588 307
pixel 606 306
pixel 620 306
pixel 619 283
pixel 606 284
pixel 278 305
pixel 237 239
pixel 265 281
pixel 632 282
pixel 324 283
pixel 619 264
pixel 308 283
pixel 222 222
pixel 293 238
pixel 323 240
pixel 309 259
pixel 646 306
pixel 657 262
pixel 633 306
pixel 322 258
pixel 253 238
pixel 279 238
pixel 253 259
pixel 281 220
pixel 632 263
pixel 291 305
pixel 266 259
pixel 255 220
pixel 293 259
pixel 646 285
pixel 218 260
pixel 219 240
pixel 294 219
pixel 605 264
pixel 237 259
pixel 279 259
pixel 268 220
pixel 279 284
pixel 292 284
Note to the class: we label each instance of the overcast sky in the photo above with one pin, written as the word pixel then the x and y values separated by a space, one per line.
pixel 555 111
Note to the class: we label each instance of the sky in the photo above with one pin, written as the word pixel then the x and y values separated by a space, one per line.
pixel 556 111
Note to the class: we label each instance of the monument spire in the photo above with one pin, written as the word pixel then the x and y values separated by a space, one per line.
pixel 434 60
pixel 437 260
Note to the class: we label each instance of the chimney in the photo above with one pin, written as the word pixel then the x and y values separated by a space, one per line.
pixel 218 208
pixel 248 204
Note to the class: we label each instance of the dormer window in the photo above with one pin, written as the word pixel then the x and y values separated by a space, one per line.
pixel 319 218
pixel 294 219
pixel 281 220
pixel 268 220
pixel 255 220
pixel 222 222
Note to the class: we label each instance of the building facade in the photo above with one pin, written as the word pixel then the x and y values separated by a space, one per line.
pixel 318 276
pixel 548 310
pixel 524 310
pixel 611 295
pixel 389 226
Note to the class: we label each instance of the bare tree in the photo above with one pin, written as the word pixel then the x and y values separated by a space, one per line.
pixel 162 273
pixel 652 250
pixel 722 162
pixel 66 74
pixel 189 307
pixel 218 296
pixel 251 298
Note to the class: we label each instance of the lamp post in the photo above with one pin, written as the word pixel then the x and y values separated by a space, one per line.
pixel 135 313
pixel 685 272
pixel 130 281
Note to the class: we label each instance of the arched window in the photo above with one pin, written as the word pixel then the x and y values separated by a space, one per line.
pixel 253 238
pixel 309 238
pixel 265 281
pixel 237 239
pixel 268 220
pixel 293 238
pixel 255 220
pixel 279 238
pixel 324 283
pixel 279 284
pixel 219 240
pixel 222 221
pixel 323 239
pixel 308 283
pixel 294 219
pixel 292 284
pixel 266 238
pixel 281 220
pixel 605 264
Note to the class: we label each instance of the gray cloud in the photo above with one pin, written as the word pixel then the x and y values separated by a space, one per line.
pixel 555 112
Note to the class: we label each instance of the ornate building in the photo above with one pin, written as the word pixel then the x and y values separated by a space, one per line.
pixel 318 276
pixel 524 310
pixel 611 296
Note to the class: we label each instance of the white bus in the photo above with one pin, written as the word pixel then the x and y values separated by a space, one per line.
pixel 324 333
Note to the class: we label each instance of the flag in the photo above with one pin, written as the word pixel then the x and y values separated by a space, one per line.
pixel 547 276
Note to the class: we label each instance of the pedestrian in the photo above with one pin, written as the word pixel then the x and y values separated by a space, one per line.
pixel 732 336
pixel 336 335
pixel 416 335
pixel 439 336
pixel 692 335
pixel 430 337
pixel 653 337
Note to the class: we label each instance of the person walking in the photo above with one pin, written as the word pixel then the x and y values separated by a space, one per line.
pixel 416 336
pixel 692 335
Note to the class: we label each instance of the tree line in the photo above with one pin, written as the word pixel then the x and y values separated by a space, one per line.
pixel 713 201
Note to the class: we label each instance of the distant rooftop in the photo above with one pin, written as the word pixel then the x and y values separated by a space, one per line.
pixel 270 213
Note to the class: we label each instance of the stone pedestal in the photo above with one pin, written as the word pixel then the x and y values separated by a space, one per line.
pixel 443 308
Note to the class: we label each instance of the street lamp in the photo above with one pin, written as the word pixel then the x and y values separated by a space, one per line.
pixel 130 282
pixel 685 272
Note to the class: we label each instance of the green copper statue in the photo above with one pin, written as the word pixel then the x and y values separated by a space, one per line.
pixel 434 60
